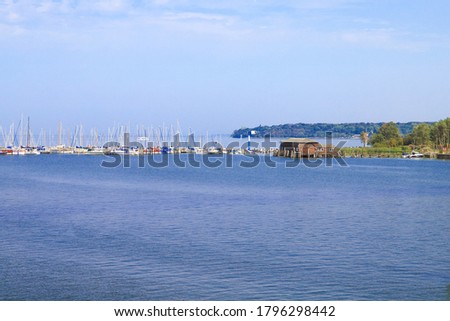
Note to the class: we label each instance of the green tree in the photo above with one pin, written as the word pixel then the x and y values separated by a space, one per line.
pixel 440 134
pixel 421 135
pixel 388 135
pixel 408 139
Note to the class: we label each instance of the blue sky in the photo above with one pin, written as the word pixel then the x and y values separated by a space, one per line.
pixel 220 65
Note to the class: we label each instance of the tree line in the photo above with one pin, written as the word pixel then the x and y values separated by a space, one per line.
pixel 343 130
pixel 423 135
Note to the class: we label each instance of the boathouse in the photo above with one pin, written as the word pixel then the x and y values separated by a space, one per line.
pixel 299 147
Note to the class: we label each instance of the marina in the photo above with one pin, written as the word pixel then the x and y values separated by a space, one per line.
pixel 20 141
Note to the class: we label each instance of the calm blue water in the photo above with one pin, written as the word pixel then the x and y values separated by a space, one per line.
pixel 378 229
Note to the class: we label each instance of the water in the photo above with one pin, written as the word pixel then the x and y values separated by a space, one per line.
pixel 375 230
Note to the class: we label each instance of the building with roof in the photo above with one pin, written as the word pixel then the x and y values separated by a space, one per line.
pixel 305 147
pixel 299 147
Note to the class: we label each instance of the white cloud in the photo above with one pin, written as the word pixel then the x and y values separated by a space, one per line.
pixel 307 21
pixel 195 16
pixel 382 38
pixel 107 6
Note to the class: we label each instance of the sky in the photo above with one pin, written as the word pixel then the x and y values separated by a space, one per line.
pixel 220 65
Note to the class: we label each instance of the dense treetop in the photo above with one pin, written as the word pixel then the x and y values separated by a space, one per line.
pixel 319 129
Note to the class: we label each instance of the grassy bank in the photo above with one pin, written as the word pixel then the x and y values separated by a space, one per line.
pixel 374 151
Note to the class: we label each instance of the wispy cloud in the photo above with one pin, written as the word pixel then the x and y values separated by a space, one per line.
pixel 22 11
pixel 318 21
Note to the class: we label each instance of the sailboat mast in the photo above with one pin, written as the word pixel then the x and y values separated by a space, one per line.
pixel 28 132
pixel 59 133
pixel 81 135
pixel 21 131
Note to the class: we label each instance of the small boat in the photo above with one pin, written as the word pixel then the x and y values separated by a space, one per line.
pixel 214 150
pixel 80 150
pixel 95 151
pixel 166 150
pixel 32 151
pixel 7 151
pixel 154 150
pixel 197 150
pixel 44 150
pixel 118 151
pixel 19 151
pixel 413 154
pixel 236 151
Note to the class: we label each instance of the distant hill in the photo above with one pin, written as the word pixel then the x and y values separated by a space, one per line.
pixel 345 130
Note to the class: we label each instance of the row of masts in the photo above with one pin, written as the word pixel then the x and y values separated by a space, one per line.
pixel 22 136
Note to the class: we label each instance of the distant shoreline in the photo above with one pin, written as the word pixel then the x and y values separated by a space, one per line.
pixel 307 130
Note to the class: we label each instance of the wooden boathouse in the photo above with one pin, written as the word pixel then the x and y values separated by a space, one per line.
pixel 304 147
